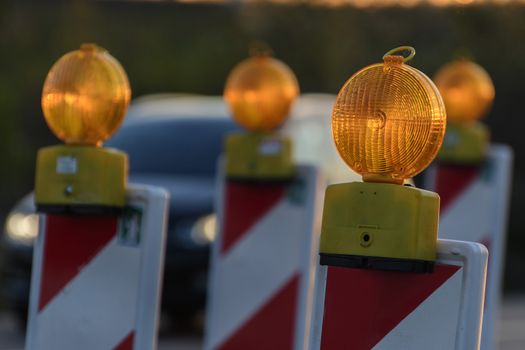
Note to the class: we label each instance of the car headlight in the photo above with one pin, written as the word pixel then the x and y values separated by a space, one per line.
pixel 204 229
pixel 22 227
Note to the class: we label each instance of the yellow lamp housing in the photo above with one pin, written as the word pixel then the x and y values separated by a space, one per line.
pixel 380 226
pixel 258 156
pixel 80 180
pixel 465 144
pixel 468 94
pixel 84 100
pixel 260 92
pixel 388 123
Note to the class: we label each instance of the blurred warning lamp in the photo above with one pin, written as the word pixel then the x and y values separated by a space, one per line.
pixel 260 91
pixel 85 96
pixel 467 90
pixel 389 120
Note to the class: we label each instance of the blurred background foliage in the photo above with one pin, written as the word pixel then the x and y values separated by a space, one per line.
pixel 175 47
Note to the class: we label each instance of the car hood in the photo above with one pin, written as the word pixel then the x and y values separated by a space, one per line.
pixel 188 195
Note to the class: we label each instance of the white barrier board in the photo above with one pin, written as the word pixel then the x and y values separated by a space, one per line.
pixel 474 207
pixel 96 279
pixel 263 263
pixel 363 309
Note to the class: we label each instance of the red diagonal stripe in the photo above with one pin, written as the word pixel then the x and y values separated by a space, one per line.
pixel 245 204
pixel 451 180
pixel 126 343
pixel 70 243
pixel 363 306
pixel 270 327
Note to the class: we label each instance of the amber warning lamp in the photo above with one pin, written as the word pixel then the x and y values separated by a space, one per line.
pixel 84 99
pixel 468 93
pixel 388 123
pixel 260 92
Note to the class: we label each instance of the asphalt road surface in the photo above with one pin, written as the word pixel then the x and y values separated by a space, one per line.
pixel 512 330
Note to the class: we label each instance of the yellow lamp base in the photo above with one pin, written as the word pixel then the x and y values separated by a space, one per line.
pixel 464 144
pixel 80 180
pixel 258 156
pixel 379 226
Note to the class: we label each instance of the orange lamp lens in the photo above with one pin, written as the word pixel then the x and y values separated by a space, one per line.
pixel 85 96
pixel 388 121
pixel 260 91
pixel 467 90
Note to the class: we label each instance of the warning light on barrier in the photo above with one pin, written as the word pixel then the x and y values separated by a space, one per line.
pixel 84 100
pixel 388 124
pixel 260 92
pixel 85 96
pixel 468 94
pixel 467 90
pixel 388 121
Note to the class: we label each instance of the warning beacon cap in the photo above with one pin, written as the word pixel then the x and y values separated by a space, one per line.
pixel 389 120
pixel 467 90
pixel 85 96
pixel 260 92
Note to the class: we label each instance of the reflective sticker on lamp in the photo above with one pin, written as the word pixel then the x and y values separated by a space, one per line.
pixel 66 165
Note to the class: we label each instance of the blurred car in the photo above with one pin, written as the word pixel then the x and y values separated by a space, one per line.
pixel 173 141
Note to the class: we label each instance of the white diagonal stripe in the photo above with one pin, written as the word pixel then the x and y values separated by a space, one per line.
pixel 433 324
pixel 81 316
pixel 470 214
pixel 256 267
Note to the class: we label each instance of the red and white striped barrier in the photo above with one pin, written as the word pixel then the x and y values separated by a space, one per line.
pixel 263 264
pixel 96 280
pixel 363 309
pixel 474 207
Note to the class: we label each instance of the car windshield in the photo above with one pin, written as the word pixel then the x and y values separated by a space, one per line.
pixel 173 146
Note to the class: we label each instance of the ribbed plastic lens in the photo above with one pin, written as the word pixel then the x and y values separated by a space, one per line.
pixel 260 91
pixel 85 96
pixel 388 121
pixel 467 90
